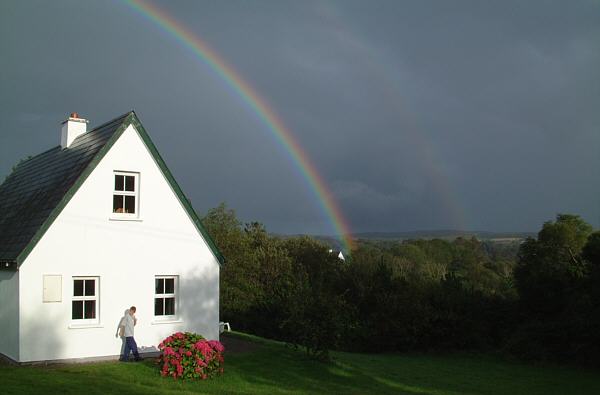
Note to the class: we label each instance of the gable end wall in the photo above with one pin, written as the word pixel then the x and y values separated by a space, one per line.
pixel 86 240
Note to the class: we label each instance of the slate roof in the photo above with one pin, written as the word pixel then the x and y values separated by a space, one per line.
pixel 37 185
pixel 37 190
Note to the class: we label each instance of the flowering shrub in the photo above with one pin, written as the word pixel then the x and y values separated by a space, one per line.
pixel 189 356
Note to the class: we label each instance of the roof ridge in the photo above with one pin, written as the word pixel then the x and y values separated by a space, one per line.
pixel 111 121
pixel 114 120
pixel 23 161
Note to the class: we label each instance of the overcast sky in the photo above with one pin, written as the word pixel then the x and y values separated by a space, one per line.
pixel 419 115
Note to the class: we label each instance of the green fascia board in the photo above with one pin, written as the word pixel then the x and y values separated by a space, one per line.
pixel 131 119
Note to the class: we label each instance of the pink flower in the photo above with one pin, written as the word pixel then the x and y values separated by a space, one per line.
pixel 204 348
pixel 216 345
pixel 188 353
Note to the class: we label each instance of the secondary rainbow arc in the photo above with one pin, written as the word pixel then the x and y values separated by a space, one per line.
pixel 277 129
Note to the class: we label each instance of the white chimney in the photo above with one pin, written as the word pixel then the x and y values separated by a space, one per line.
pixel 72 128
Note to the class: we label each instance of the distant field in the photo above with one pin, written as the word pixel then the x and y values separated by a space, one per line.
pixel 256 366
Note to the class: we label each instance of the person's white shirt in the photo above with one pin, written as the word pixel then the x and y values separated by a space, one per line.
pixel 130 322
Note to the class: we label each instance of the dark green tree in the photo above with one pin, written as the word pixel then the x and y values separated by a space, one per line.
pixel 552 279
pixel 239 280
pixel 549 267
pixel 317 314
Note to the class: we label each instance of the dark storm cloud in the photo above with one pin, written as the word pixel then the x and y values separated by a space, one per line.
pixel 418 115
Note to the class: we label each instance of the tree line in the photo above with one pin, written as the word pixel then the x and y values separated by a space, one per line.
pixel 539 299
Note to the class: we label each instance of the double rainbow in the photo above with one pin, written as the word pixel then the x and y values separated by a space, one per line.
pixel 258 106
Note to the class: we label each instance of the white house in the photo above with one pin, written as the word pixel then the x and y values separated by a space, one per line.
pixel 338 254
pixel 89 228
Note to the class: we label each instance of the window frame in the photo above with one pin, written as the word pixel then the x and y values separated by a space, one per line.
pixel 174 295
pixel 135 193
pixel 84 298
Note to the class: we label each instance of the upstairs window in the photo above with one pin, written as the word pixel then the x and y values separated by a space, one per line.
pixel 165 296
pixel 84 305
pixel 126 194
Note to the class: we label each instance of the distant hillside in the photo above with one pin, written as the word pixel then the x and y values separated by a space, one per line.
pixel 499 237
pixel 442 234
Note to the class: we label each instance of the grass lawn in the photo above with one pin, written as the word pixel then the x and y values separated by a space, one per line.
pixel 271 368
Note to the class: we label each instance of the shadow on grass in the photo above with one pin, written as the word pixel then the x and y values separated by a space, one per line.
pixel 272 368
pixel 277 369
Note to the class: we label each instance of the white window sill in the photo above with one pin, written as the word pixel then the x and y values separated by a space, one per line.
pixel 167 321
pixel 132 219
pixel 85 326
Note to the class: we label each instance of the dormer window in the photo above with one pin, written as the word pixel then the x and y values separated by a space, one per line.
pixel 126 194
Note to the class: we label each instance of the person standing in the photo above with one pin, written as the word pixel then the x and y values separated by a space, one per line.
pixel 121 331
pixel 128 324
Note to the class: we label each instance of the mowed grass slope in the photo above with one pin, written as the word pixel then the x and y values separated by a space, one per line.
pixel 268 367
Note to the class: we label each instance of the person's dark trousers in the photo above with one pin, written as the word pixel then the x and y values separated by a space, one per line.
pixel 130 345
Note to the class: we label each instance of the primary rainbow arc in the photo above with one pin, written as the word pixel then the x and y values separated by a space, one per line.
pixel 259 107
